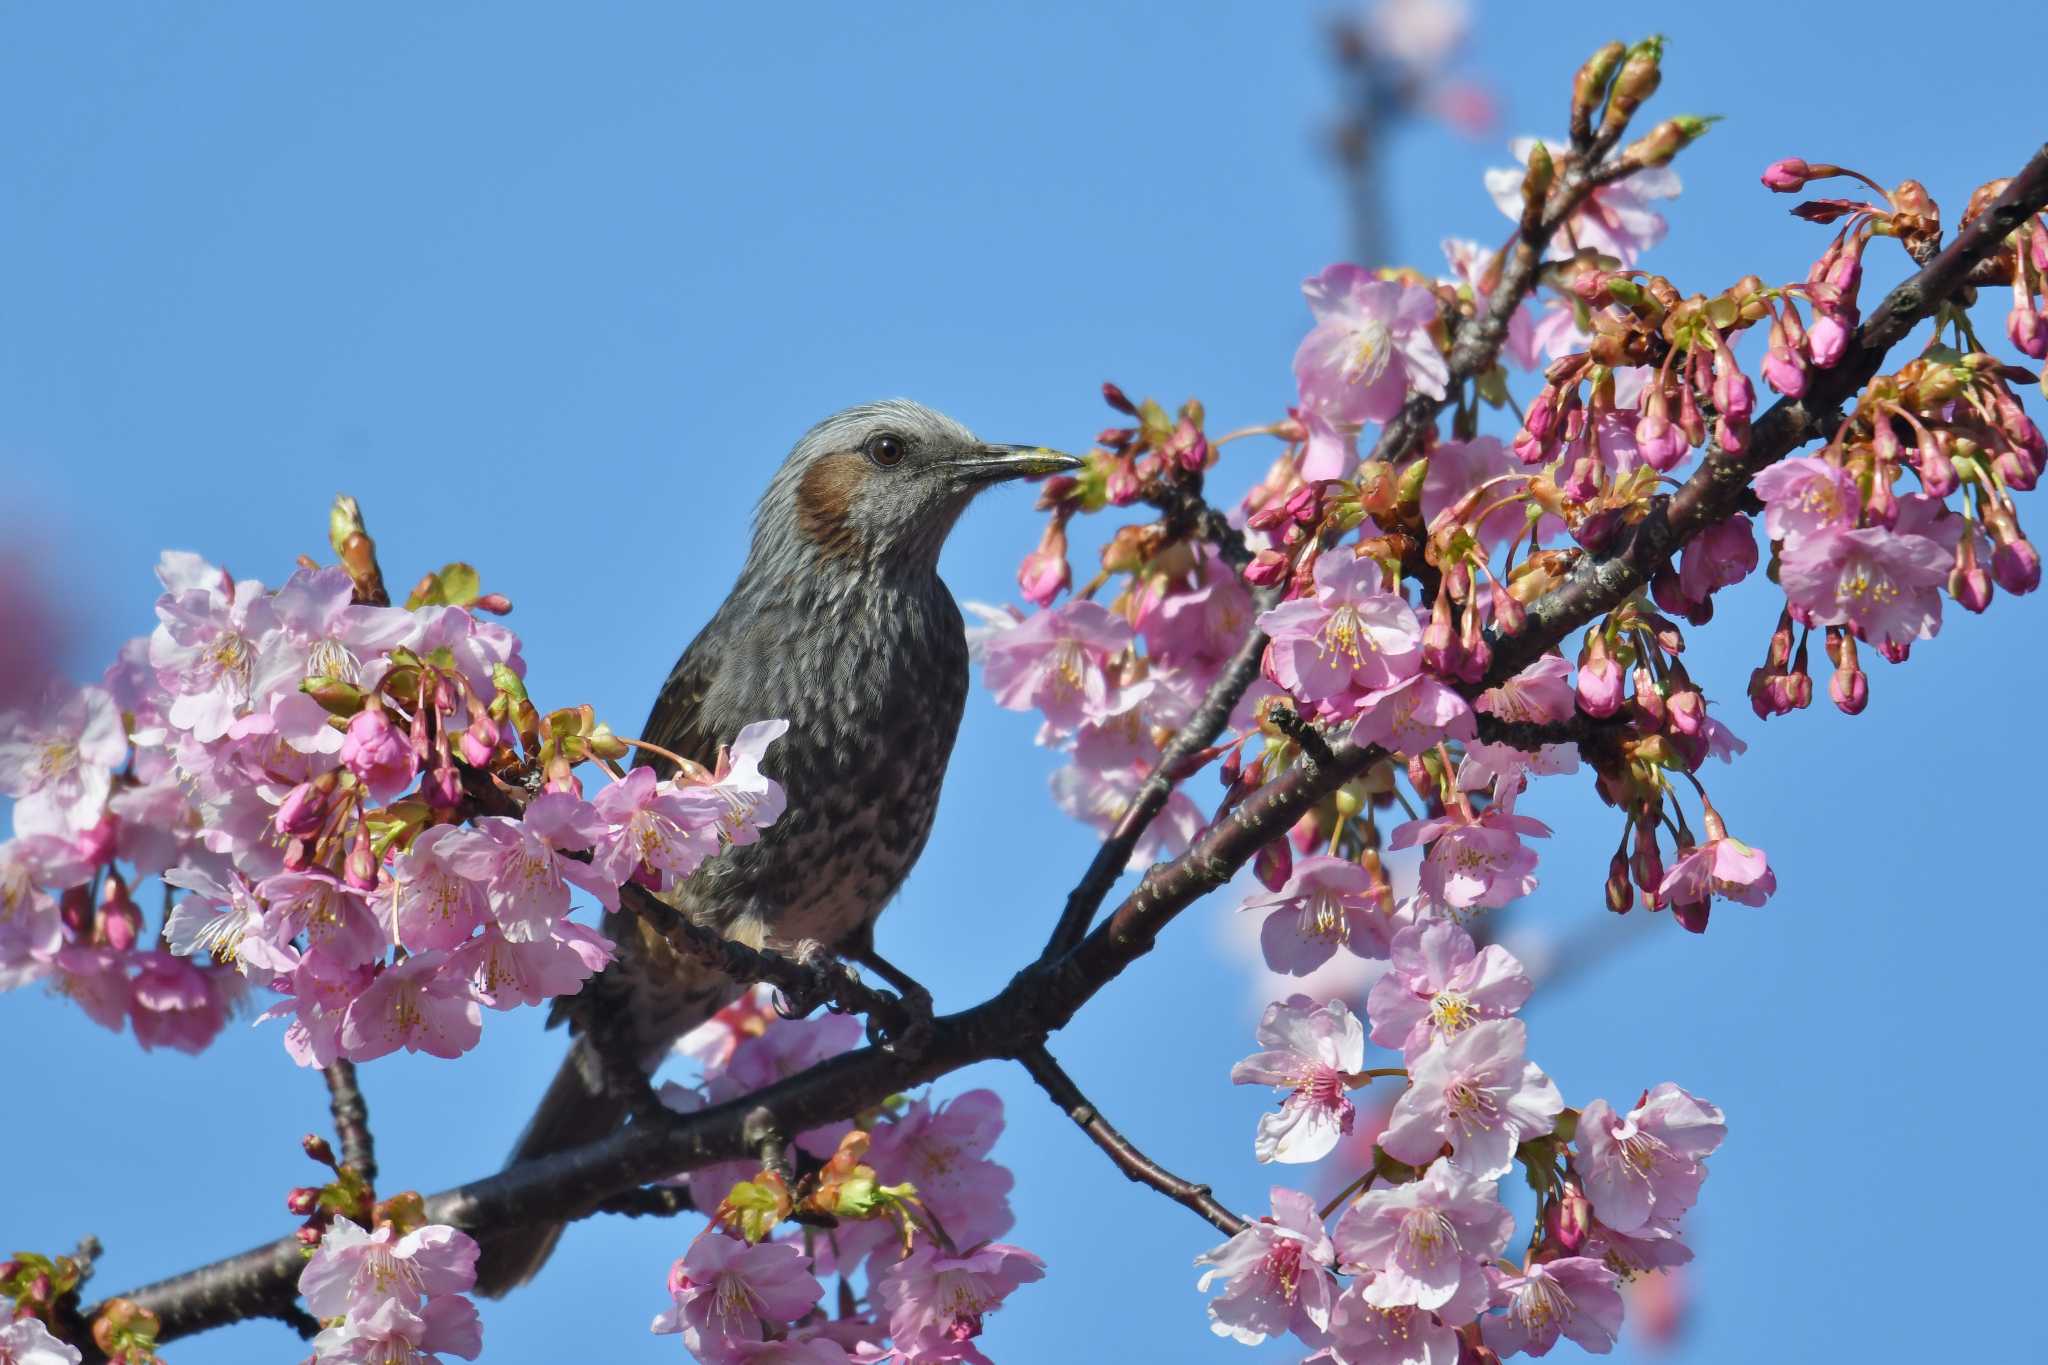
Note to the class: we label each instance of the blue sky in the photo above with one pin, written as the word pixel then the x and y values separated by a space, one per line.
pixel 553 295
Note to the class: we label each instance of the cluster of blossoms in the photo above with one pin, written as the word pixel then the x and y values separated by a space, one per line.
pixel 1411 1269
pixel 308 768
pixel 1391 586
pixel 394 1295
pixel 903 1205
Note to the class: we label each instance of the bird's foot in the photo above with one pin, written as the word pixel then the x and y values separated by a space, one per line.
pixel 910 1033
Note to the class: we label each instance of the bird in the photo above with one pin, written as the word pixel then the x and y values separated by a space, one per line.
pixel 839 624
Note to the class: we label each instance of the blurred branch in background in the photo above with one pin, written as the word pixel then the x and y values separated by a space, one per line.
pixel 1392 62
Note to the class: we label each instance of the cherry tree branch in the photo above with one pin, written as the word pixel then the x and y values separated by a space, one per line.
pixel 351 1118
pixel 1045 996
pixel 1119 1149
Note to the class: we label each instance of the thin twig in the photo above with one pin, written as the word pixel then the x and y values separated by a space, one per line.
pixel 1118 1148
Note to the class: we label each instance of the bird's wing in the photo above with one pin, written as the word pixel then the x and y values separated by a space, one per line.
pixel 677 721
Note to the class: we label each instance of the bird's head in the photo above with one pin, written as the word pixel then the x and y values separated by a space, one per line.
pixel 882 484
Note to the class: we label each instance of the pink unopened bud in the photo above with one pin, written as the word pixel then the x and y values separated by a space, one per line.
pixel 360 868
pixel 1686 711
pixel 2024 325
pixel 1937 471
pixel 380 757
pixel 1785 370
pixel 2016 564
pixel 1827 340
pixel 1114 396
pixel 1600 686
pixel 1787 176
pixel 1304 504
pixel 1620 892
pixel 1659 442
pixel 1440 638
pixel 120 921
pixel 1569 1221
pixel 1734 396
pixel 480 740
pixel 74 908
pixel 302 811
pixel 1274 864
pixel 1849 690
pixel 95 847
pixel 1123 486
pixel 1646 860
pixel 442 787
pixel 302 1201
pixel 1968 583
pixel 1267 568
pixel 1509 615
pixel 1044 574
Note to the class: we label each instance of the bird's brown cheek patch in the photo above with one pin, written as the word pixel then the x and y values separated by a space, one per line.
pixel 824 503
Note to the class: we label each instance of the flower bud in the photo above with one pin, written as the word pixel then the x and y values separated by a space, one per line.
pixel 1827 340
pixel 1267 568
pixel 74 907
pixel 1968 583
pixel 1589 87
pixel 2016 564
pixel 1509 615
pixel 120 920
pixel 1274 864
pixel 1044 574
pixel 1569 1220
pixel 1787 176
pixel 1599 686
pixel 360 868
pixel 1646 860
pixel 1621 894
pixel 2024 325
pixel 302 1201
pixel 316 1147
pixel 1640 75
pixel 304 807
pixel 1114 396
pixel 1649 701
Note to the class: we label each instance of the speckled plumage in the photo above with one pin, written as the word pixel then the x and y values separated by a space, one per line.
pixel 840 625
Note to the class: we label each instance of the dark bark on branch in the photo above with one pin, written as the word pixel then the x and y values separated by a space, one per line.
pixel 351 1119
pixel 1046 995
pixel 1118 1148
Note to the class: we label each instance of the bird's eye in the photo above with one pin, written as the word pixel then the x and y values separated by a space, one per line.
pixel 885 448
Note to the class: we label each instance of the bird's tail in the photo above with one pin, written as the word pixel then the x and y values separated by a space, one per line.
pixel 577 1108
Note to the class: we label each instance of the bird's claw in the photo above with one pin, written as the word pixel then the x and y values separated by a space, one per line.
pixel 911 1033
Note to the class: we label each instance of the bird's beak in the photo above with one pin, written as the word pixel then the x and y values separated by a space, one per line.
pixel 995 463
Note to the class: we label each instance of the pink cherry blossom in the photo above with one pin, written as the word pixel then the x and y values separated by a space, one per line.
pixel 59 755
pixel 1351 638
pixel 25 1341
pixel 1326 904
pixel 657 829
pixel 1474 860
pixel 1276 1275
pixel 1656 1246
pixel 1646 1163
pixel 334 918
pixel 204 651
pixel 1424 1241
pixel 1203 622
pixel 425 900
pixel 1883 585
pixel 321 633
pixel 752 799
pixel 1056 662
pixel 317 997
pixel 504 975
pixel 1477 1092
pixel 1541 693
pixel 936 1302
pixel 943 1150
pixel 1103 798
pixel 1504 770
pixel 174 1004
pixel 727 1292
pixel 31 930
pixel 1722 866
pixel 520 861
pixel 1721 556
pixel 1438 985
pixel 94 979
pixel 1458 467
pixel 223 921
pixel 1574 1296
pixel 352 1269
pixel 1806 496
pixel 392 1334
pixel 1330 450
pixel 1364 1334
pixel 422 1004
pixel 1616 220
pixel 1371 346
pixel 1411 716
pixel 1311 1050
